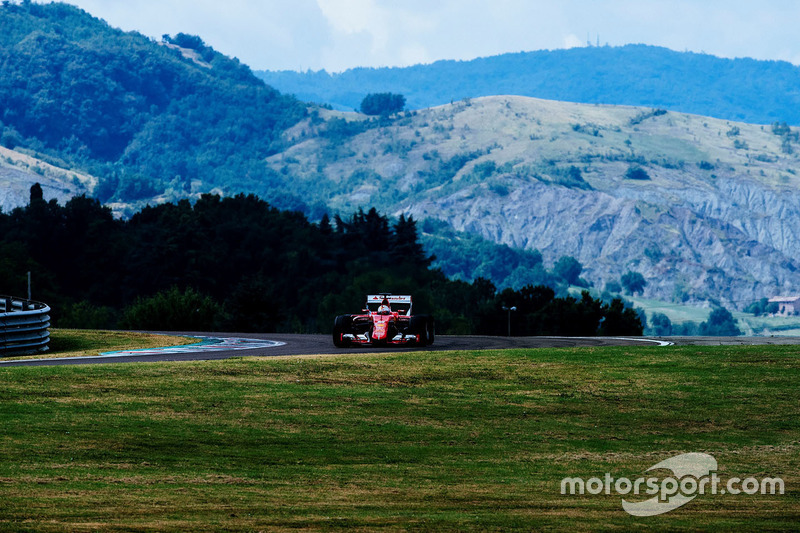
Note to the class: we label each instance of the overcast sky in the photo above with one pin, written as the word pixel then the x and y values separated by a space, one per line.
pixel 339 34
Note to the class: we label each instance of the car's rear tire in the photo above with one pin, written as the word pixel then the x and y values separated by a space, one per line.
pixel 419 327
pixel 430 328
pixel 342 325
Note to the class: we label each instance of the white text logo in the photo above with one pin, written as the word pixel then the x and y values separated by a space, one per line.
pixel 692 474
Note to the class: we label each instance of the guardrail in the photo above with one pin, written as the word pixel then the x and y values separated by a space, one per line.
pixel 23 326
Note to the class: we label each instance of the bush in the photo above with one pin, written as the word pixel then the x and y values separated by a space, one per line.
pixel 781 128
pixel 620 320
pixel 85 315
pixel 569 269
pixel 720 323
pixel 173 310
pixel 762 307
pixel 613 287
pixel 637 173
pixel 661 325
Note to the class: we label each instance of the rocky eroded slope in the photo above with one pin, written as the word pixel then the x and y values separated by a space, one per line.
pixel 705 209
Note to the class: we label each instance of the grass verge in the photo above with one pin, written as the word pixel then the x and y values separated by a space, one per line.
pixel 429 441
pixel 79 342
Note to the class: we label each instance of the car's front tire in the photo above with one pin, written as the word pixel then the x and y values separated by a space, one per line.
pixel 342 325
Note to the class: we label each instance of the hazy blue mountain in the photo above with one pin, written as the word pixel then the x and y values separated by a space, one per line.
pixel 744 90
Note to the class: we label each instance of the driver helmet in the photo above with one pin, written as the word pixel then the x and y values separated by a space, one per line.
pixel 384 310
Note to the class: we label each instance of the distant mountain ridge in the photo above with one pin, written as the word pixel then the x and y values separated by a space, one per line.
pixel 745 90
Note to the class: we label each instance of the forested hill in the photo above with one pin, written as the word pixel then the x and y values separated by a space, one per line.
pixel 744 90
pixel 150 119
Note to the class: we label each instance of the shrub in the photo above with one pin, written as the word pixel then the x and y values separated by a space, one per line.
pixel 637 173
pixel 173 310
pixel 661 325
pixel 720 323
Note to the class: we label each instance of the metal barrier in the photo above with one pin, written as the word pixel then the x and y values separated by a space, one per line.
pixel 23 326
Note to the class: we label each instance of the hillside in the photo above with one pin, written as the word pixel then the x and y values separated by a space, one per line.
pixel 744 90
pixel 705 209
pixel 19 171
pixel 154 121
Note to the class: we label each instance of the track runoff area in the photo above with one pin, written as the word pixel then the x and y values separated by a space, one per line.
pixel 211 346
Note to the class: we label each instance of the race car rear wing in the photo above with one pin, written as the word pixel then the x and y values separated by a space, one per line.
pixel 399 303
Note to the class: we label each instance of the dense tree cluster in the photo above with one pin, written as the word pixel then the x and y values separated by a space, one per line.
pixel 239 264
pixel 763 307
pixel 146 117
pixel 720 323
pixel 468 256
pixel 383 104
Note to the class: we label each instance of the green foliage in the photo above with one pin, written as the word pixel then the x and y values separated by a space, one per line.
pixel 239 264
pixel 788 136
pixel 636 172
pixel 469 257
pixel 484 169
pixel 384 104
pixel 762 307
pixel 740 144
pixel 686 329
pixel 781 129
pixel 720 324
pixel 129 110
pixel 571 177
pixel 338 129
pixel 569 269
pixel 443 171
pixel 172 310
pixel 588 129
pixel 268 269
pixel 644 115
pixel 539 312
pixel 85 315
pixel 660 325
pixel 633 282
pixel 192 42
pixel 619 320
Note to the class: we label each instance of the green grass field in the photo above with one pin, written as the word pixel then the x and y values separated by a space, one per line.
pixel 404 441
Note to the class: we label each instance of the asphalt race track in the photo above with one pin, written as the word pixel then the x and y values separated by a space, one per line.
pixel 226 345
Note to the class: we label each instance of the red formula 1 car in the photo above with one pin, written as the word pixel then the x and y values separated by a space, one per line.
pixel 386 321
